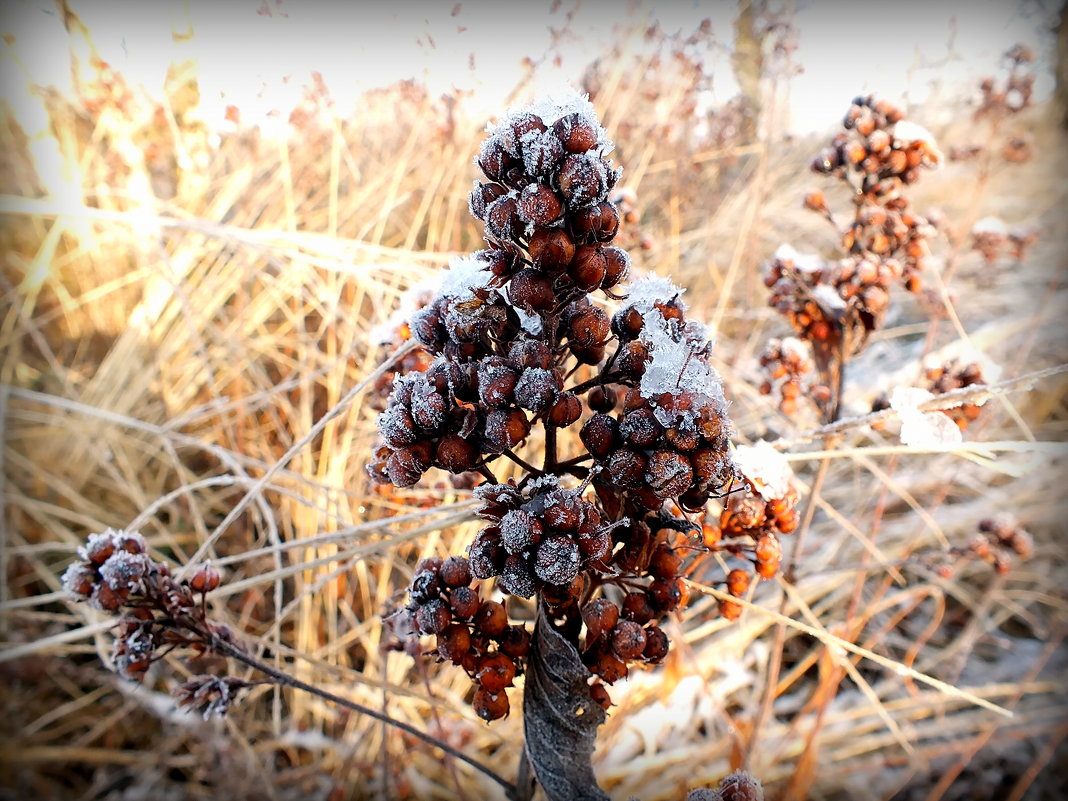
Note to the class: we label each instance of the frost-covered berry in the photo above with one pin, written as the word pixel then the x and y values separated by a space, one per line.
pixel 668 473
pixel 628 639
pixel 583 180
pixel 537 389
pixel 557 560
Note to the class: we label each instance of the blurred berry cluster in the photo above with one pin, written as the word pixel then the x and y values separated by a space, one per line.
pixel 157 612
pixel 991 237
pixel 951 375
pixel 998 542
pixel 788 365
pixel 522 352
pixel 835 304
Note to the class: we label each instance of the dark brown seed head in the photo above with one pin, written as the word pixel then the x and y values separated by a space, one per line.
pixel 515 577
pixel 600 435
pixel 668 473
pixel 515 642
pixel 628 640
pixel 490 706
pixel 496 382
pixel 481 196
pixel 600 617
pixel 491 619
pixel 609 667
pixel 587 328
pixel 486 554
pixel 551 249
pixel 495 672
pixel 433 617
pixel 502 218
pixel 456 454
pixel 587 270
pixel 504 429
pixel 626 467
pixel 464 602
pixel 601 399
pixel 537 389
pixel 617 266
pixel 656 644
pixel 566 410
pixel 576 132
pixel 519 127
pixel 636 607
pixel 530 353
pixel 539 205
pixel 582 180
pixel 627 323
pixel 532 290
pixel 596 223
pixel 454 642
pixel 557 560
pixel 455 572
pixel 640 428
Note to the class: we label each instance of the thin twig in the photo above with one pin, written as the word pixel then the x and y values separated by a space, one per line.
pixel 291 681
pixel 947 400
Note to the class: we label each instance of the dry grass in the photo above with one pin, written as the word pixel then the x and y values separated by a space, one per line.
pixel 179 316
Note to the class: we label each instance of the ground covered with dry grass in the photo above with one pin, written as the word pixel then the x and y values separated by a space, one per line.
pixel 181 314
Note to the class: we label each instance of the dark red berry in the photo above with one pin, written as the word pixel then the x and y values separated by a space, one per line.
pixel 551 250
pixel 495 672
pixel 599 435
pixel 656 644
pixel 566 410
pixel 504 429
pixel 576 132
pixel 491 619
pixel 433 617
pixel 628 639
pixel 539 205
pixel 490 706
pixel 455 572
pixel 532 291
pixel 557 560
pixel 600 617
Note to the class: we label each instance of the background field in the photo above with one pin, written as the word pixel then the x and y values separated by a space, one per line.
pixel 185 295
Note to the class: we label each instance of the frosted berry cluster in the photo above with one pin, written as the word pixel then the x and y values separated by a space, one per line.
pixel 522 352
pixel 157 612
pixel 753 518
pixel 469 632
pixel 834 304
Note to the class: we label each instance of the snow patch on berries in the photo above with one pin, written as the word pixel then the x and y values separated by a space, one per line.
pixel 766 468
pixel 907 132
pixel 464 275
pixel 123 570
pixel 553 106
pixel 827 296
pixel 649 290
pixel 677 365
pixel 542 485
pixel 919 429
pixel 994 226
pixel 528 321
pixel 802 262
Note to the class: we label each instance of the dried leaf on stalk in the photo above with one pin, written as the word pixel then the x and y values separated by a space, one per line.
pixel 560 718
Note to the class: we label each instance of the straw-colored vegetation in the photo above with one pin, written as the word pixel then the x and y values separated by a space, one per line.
pixel 182 312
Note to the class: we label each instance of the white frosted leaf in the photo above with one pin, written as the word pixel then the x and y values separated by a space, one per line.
pixel 920 429
pixel 766 468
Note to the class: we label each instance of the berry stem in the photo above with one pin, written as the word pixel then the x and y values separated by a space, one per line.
pixel 284 679
pixel 535 472
pixel 597 381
